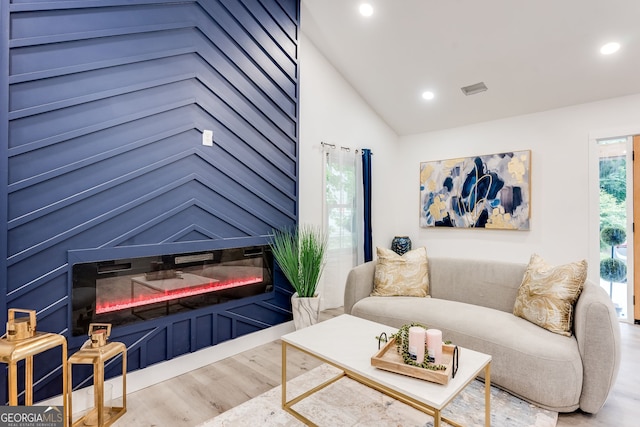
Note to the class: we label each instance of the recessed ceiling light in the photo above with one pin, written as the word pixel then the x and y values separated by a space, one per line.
pixel 428 95
pixel 366 9
pixel 610 48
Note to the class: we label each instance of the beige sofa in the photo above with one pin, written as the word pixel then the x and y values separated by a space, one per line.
pixel 472 303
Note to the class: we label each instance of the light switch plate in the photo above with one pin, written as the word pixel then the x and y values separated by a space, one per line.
pixel 207 138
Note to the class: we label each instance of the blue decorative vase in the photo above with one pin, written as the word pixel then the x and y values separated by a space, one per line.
pixel 401 245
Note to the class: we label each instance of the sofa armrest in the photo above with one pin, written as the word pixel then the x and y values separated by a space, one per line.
pixel 359 284
pixel 597 331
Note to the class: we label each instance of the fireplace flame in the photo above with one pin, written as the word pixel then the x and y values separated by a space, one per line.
pixel 169 295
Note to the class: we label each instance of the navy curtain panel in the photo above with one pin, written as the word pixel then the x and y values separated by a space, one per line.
pixel 366 184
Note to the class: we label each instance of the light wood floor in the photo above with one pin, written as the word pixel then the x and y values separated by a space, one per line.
pixel 197 396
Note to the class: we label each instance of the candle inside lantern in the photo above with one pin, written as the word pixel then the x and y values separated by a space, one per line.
pixel 434 345
pixel 416 343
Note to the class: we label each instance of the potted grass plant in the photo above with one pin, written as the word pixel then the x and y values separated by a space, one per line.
pixel 300 252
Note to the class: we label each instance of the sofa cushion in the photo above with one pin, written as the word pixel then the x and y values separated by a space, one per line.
pixel 492 284
pixel 547 294
pixel 517 346
pixel 405 275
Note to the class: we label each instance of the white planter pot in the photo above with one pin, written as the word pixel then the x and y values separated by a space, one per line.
pixel 305 310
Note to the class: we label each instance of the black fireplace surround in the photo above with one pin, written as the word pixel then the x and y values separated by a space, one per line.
pixel 130 290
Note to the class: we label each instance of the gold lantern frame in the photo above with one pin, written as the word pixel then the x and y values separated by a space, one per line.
pixel 96 351
pixel 23 342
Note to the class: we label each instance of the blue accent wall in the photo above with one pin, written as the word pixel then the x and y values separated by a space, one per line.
pixel 102 109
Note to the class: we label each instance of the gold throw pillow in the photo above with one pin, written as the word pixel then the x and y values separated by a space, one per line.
pixel 548 293
pixel 405 275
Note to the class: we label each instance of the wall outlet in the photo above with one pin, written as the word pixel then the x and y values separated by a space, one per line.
pixel 207 138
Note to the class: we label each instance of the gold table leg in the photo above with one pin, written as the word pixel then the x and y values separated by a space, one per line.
pixel 487 395
pixel 284 374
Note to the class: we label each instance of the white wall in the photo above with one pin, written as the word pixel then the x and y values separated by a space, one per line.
pixel 332 112
pixel 564 214
pixel 563 225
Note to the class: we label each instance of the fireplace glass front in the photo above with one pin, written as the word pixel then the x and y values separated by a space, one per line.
pixel 125 291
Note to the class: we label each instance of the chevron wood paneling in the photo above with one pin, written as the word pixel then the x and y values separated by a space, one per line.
pixel 103 107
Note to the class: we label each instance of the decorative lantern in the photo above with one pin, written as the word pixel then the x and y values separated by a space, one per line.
pixel 22 342
pixel 96 351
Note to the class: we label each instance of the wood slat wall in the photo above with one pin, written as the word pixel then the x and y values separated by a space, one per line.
pixel 103 105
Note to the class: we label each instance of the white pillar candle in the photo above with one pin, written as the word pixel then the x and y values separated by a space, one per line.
pixel 434 345
pixel 416 343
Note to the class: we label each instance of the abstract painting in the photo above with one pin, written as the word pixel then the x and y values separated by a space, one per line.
pixel 490 191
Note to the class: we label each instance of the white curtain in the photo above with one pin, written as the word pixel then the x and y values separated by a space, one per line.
pixel 343 219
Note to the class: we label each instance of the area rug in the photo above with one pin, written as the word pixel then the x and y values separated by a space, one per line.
pixel 349 403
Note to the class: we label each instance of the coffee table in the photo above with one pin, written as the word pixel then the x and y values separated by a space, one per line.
pixel 348 342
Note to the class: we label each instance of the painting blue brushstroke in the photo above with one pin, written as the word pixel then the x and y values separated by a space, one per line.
pixel 489 191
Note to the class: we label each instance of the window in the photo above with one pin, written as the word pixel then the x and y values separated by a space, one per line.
pixel 612 158
pixel 343 218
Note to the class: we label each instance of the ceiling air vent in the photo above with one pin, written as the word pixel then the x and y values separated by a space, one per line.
pixel 473 89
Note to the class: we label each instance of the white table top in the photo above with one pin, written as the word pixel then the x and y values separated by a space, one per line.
pixel 349 342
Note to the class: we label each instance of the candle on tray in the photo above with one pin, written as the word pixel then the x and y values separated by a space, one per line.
pixel 416 343
pixel 434 345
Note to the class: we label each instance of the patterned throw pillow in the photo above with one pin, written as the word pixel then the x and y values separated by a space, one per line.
pixel 547 294
pixel 405 275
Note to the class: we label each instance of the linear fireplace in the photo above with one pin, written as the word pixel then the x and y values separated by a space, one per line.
pixel 129 290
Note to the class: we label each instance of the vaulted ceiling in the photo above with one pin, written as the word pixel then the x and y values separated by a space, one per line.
pixel 532 55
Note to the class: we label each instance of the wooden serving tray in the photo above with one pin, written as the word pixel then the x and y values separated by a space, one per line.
pixel 389 359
